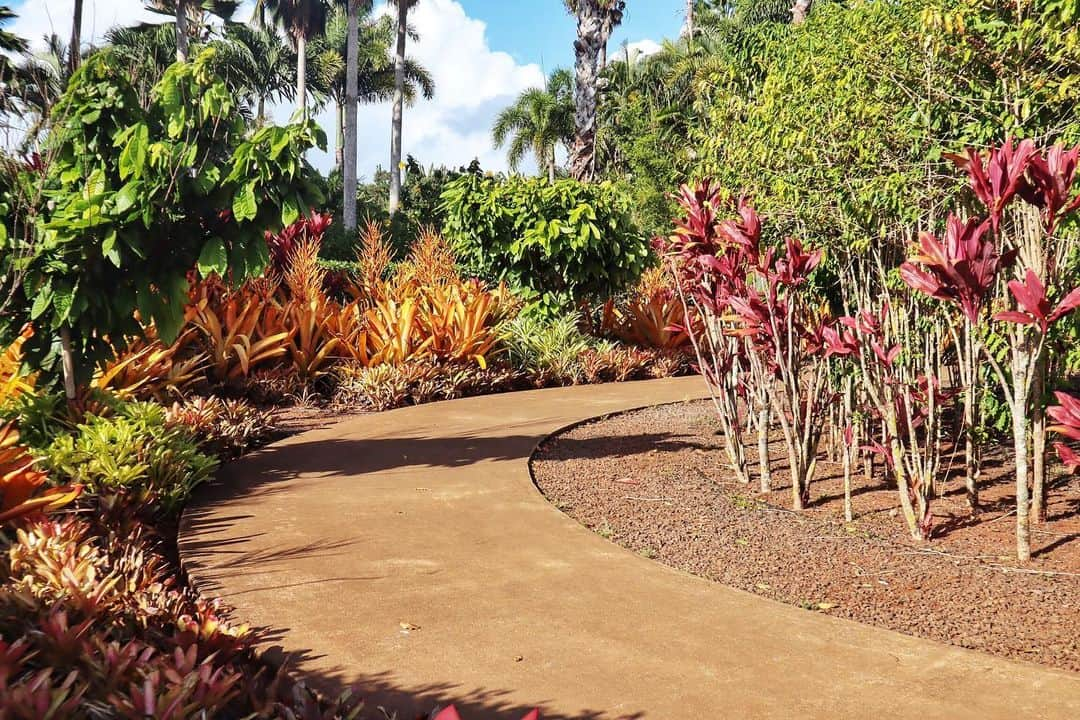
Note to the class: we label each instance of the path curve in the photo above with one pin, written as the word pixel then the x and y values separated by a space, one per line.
pixel 410 554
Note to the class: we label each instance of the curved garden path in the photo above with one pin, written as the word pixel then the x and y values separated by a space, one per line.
pixel 409 553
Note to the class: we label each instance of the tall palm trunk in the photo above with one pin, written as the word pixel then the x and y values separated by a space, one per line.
pixel 399 106
pixel 75 51
pixel 690 20
pixel 590 23
pixel 352 69
pixel 301 74
pixel 181 31
pixel 339 139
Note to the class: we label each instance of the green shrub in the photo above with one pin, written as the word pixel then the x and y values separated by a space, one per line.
pixel 555 244
pixel 134 451
pixel 547 348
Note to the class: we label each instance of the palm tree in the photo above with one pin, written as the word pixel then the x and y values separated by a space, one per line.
pixel 41 80
pixel 76 37
pixel 190 18
pixel 351 131
pixel 375 67
pixel 537 122
pixel 374 82
pixel 800 11
pixel 255 63
pixel 613 17
pixel 9 43
pixel 403 8
pixel 302 21
pixel 147 50
pixel 594 19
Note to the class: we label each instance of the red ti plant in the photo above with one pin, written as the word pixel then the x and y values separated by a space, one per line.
pixel 760 330
pixel 905 396
pixel 961 270
pixel 1066 417
pixel 1044 180
pixel 304 230
pixel 709 268
pixel 997 179
pixel 777 312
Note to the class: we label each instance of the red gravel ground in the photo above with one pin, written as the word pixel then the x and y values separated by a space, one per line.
pixel 654 481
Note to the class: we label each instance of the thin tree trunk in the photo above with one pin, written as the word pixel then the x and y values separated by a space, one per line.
pixel 764 464
pixel 181 31
pixel 1038 445
pixel 399 107
pixel 339 141
pixel 352 70
pixel 971 451
pixel 261 117
pixel 847 449
pixel 800 11
pixel 1020 447
pixel 586 52
pixel 75 50
pixel 690 20
pixel 551 165
pixel 301 75
pixel 67 360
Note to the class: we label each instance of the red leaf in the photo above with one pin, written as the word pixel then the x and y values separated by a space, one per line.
pixel 1068 458
pixel 448 713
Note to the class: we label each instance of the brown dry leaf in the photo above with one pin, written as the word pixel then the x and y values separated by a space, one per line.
pixel 825 605
pixel 408 627
pixel 763 586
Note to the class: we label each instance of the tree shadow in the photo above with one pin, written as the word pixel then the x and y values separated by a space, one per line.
pixel 385 695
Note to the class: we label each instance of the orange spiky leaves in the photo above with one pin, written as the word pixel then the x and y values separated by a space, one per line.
pixel 239 329
pixel 19 482
pixel 13 382
pixel 652 317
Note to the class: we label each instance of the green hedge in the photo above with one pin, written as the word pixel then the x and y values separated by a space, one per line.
pixel 555 244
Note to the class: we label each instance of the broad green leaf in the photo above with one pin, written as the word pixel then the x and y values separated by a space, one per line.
pixel 214 258
pixel 245 206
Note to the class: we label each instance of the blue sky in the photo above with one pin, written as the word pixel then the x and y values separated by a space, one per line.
pixel 483 53
pixel 540 30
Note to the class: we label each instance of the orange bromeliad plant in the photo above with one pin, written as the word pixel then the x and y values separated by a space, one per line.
pixel 12 382
pixel 147 368
pixel 654 317
pixel 457 319
pixel 309 315
pixel 239 331
pixel 19 482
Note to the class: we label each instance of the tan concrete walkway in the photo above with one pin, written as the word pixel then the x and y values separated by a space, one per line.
pixel 409 552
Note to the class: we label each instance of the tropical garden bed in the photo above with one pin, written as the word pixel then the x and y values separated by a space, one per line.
pixel 655 482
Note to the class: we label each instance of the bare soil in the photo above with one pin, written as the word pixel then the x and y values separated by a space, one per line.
pixel 655 481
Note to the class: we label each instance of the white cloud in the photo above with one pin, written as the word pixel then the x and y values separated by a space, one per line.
pixel 644 48
pixel 39 18
pixel 472 83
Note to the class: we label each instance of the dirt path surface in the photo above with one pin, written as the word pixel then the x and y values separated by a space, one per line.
pixel 409 554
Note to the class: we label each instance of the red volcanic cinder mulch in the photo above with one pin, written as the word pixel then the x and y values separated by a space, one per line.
pixel 655 482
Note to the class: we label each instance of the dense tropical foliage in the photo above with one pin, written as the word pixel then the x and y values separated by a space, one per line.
pixel 875 256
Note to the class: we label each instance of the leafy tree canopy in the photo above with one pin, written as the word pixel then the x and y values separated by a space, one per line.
pixel 138 196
